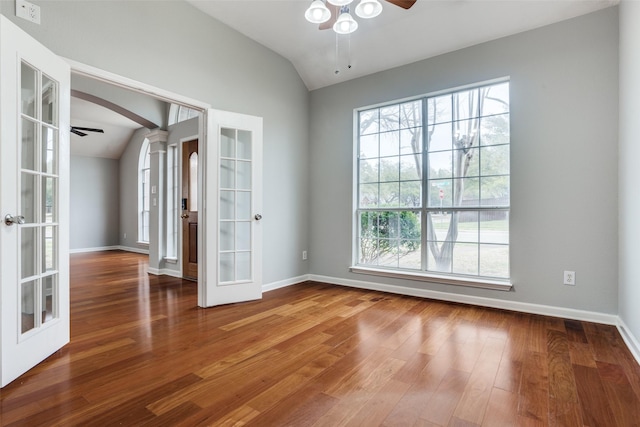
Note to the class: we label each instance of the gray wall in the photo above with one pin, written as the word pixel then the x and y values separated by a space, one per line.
pixel 564 117
pixel 171 45
pixel 94 203
pixel 629 171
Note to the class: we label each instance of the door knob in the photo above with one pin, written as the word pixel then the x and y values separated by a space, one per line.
pixel 184 216
pixel 10 220
pixel 258 217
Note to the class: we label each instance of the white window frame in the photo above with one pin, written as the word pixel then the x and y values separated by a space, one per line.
pixel 144 192
pixel 172 213
pixel 422 274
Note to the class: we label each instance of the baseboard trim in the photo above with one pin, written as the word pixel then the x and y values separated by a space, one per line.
pixel 164 272
pixel 284 283
pixel 97 249
pixel 567 313
pixel 134 250
pixel 629 339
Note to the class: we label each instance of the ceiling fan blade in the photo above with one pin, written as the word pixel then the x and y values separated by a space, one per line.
pixel 405 4
pixel 335 11
pixel 77 132
pixel 87 129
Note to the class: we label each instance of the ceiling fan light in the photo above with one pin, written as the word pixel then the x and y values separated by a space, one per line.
pixel 345 24
pixel 340 2
pixel 317 13
pixel 368 9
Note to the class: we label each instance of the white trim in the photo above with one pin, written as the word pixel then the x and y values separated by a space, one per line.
pixel 134 250
pixel 96 249
pixel 473 282
pixel 284 283
pixel 629 339
pixel 546 310
pixel 164 272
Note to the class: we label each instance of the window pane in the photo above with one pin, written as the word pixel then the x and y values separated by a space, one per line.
pixel 411 114
pixel 49 242
pixel 495 160
pixel 439 109
pixel 193 182
pixel 411 141
pixel 369 195
pixel 494 261
pixel 494 130
pixel 465 259
pixel 49 150
pixel 28 79
pixel 468 227
pixel 49 101
pixel 390 117
pixel 440 193
pixel 244 144
pixel 227 203
pixel 28 200
pixel 465 104
pixel 243 177
pixel 494 227
pixel 440 164
pixel 369 122
pixel 410 167
pixel 243 266
pixel 243 209
pixel 410 194
pixel 389 144
pixel 49 198
pixel 495 191
pixel 27 306
pixel 389 169
pixel 28 145
pixel 389 195
pixel 227 173
pixel 369 170
pixel 227 267
pixel 470 188
pixel 228 142
pixel 28 252
pixel 369 146
pixel 243 236
pixel 227 235
pixel 496 100
pixel 49 290
pixel 440 137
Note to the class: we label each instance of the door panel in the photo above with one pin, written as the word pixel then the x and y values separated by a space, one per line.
pixel 233 231
pixel 190 210
pixel 34 198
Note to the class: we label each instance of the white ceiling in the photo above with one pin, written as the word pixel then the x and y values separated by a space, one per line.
pixel 396 37
pixel 110 144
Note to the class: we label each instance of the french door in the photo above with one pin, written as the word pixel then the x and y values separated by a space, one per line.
pixel 233 212
pixel 34 199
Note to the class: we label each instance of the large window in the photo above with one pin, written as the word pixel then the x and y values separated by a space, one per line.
pixel 144 192
pixel 433 184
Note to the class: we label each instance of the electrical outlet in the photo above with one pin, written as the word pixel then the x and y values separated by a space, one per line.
pixel 28 11
pixel 125 236
pixel 304 255
pixel 570 278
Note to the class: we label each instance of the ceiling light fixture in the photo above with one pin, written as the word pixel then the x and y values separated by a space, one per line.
pixel 318 13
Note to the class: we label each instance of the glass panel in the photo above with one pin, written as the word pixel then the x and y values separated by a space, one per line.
pixel 439 109
pixel 243 266
pixel 49 199
pixel 390 195
pixel 495 191
pixel 368 195
pixel 390 117
pixel 368 254
pixel 146 189
pixel 243 175
pixel 389 144
pixel 49 290
pixel 470 188
pixel 28 145
pixel 227 235
pixel 440 137
pixel 244 144
pixel 27 306
pixel 227 173
pixel 243 236
pixel 410 194
pixel 465 104
pixel 243 208
pixel 369 122
pixel 28 79
pixel 441 164
pixel 193 182
pixel 389 169
pixel 494 130
pixel 494 227
pixel 227 201
pixel 465 133
pixel 49 101
pixel 369 170
pixel 469 162
pixel 227 142
pixel 496 100
pixel 468 227
pixel 442 262
pixel 388 252
pixel 465 258
pixel 28 254
pixel 411 141
pixel 227 267
pixel 49 241
pixel 410 167
pixel 440 193
pixel 369 147
pixel 28 201
pixel 494 260
pixel 145 226
pixel 411 114
pixel 495 160
pixel 440 222
pixel 410 255
pixel 49 150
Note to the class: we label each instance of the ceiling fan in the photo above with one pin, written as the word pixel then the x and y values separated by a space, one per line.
pixel 335 11
pixel 79 130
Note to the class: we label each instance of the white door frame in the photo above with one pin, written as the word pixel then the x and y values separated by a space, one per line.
pixel 167 96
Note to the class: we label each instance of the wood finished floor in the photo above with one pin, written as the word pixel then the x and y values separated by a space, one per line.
pixel 142 353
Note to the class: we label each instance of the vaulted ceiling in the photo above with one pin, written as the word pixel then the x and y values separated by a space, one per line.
pixel 396 37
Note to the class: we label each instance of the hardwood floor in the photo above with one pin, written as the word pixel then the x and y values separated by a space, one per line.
pixel 142 353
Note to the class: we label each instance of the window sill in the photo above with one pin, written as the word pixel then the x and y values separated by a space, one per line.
pixel 498 285
pixel 145 244
pixel 171 260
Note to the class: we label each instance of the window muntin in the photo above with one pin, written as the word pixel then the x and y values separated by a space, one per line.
pixel 451 216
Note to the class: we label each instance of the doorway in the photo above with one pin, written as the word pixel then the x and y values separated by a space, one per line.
pixel 189 205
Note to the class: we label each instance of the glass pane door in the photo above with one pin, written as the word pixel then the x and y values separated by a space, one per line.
pixel 38 200
pixel 235 210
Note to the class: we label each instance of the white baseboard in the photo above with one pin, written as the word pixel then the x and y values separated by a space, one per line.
pixel 632 342
pixel 98 249
pixel 134 250
pixel 164 272
pixel 567 313
pixel 284 283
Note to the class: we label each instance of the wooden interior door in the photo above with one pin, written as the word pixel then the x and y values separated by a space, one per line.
pixel 190 210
